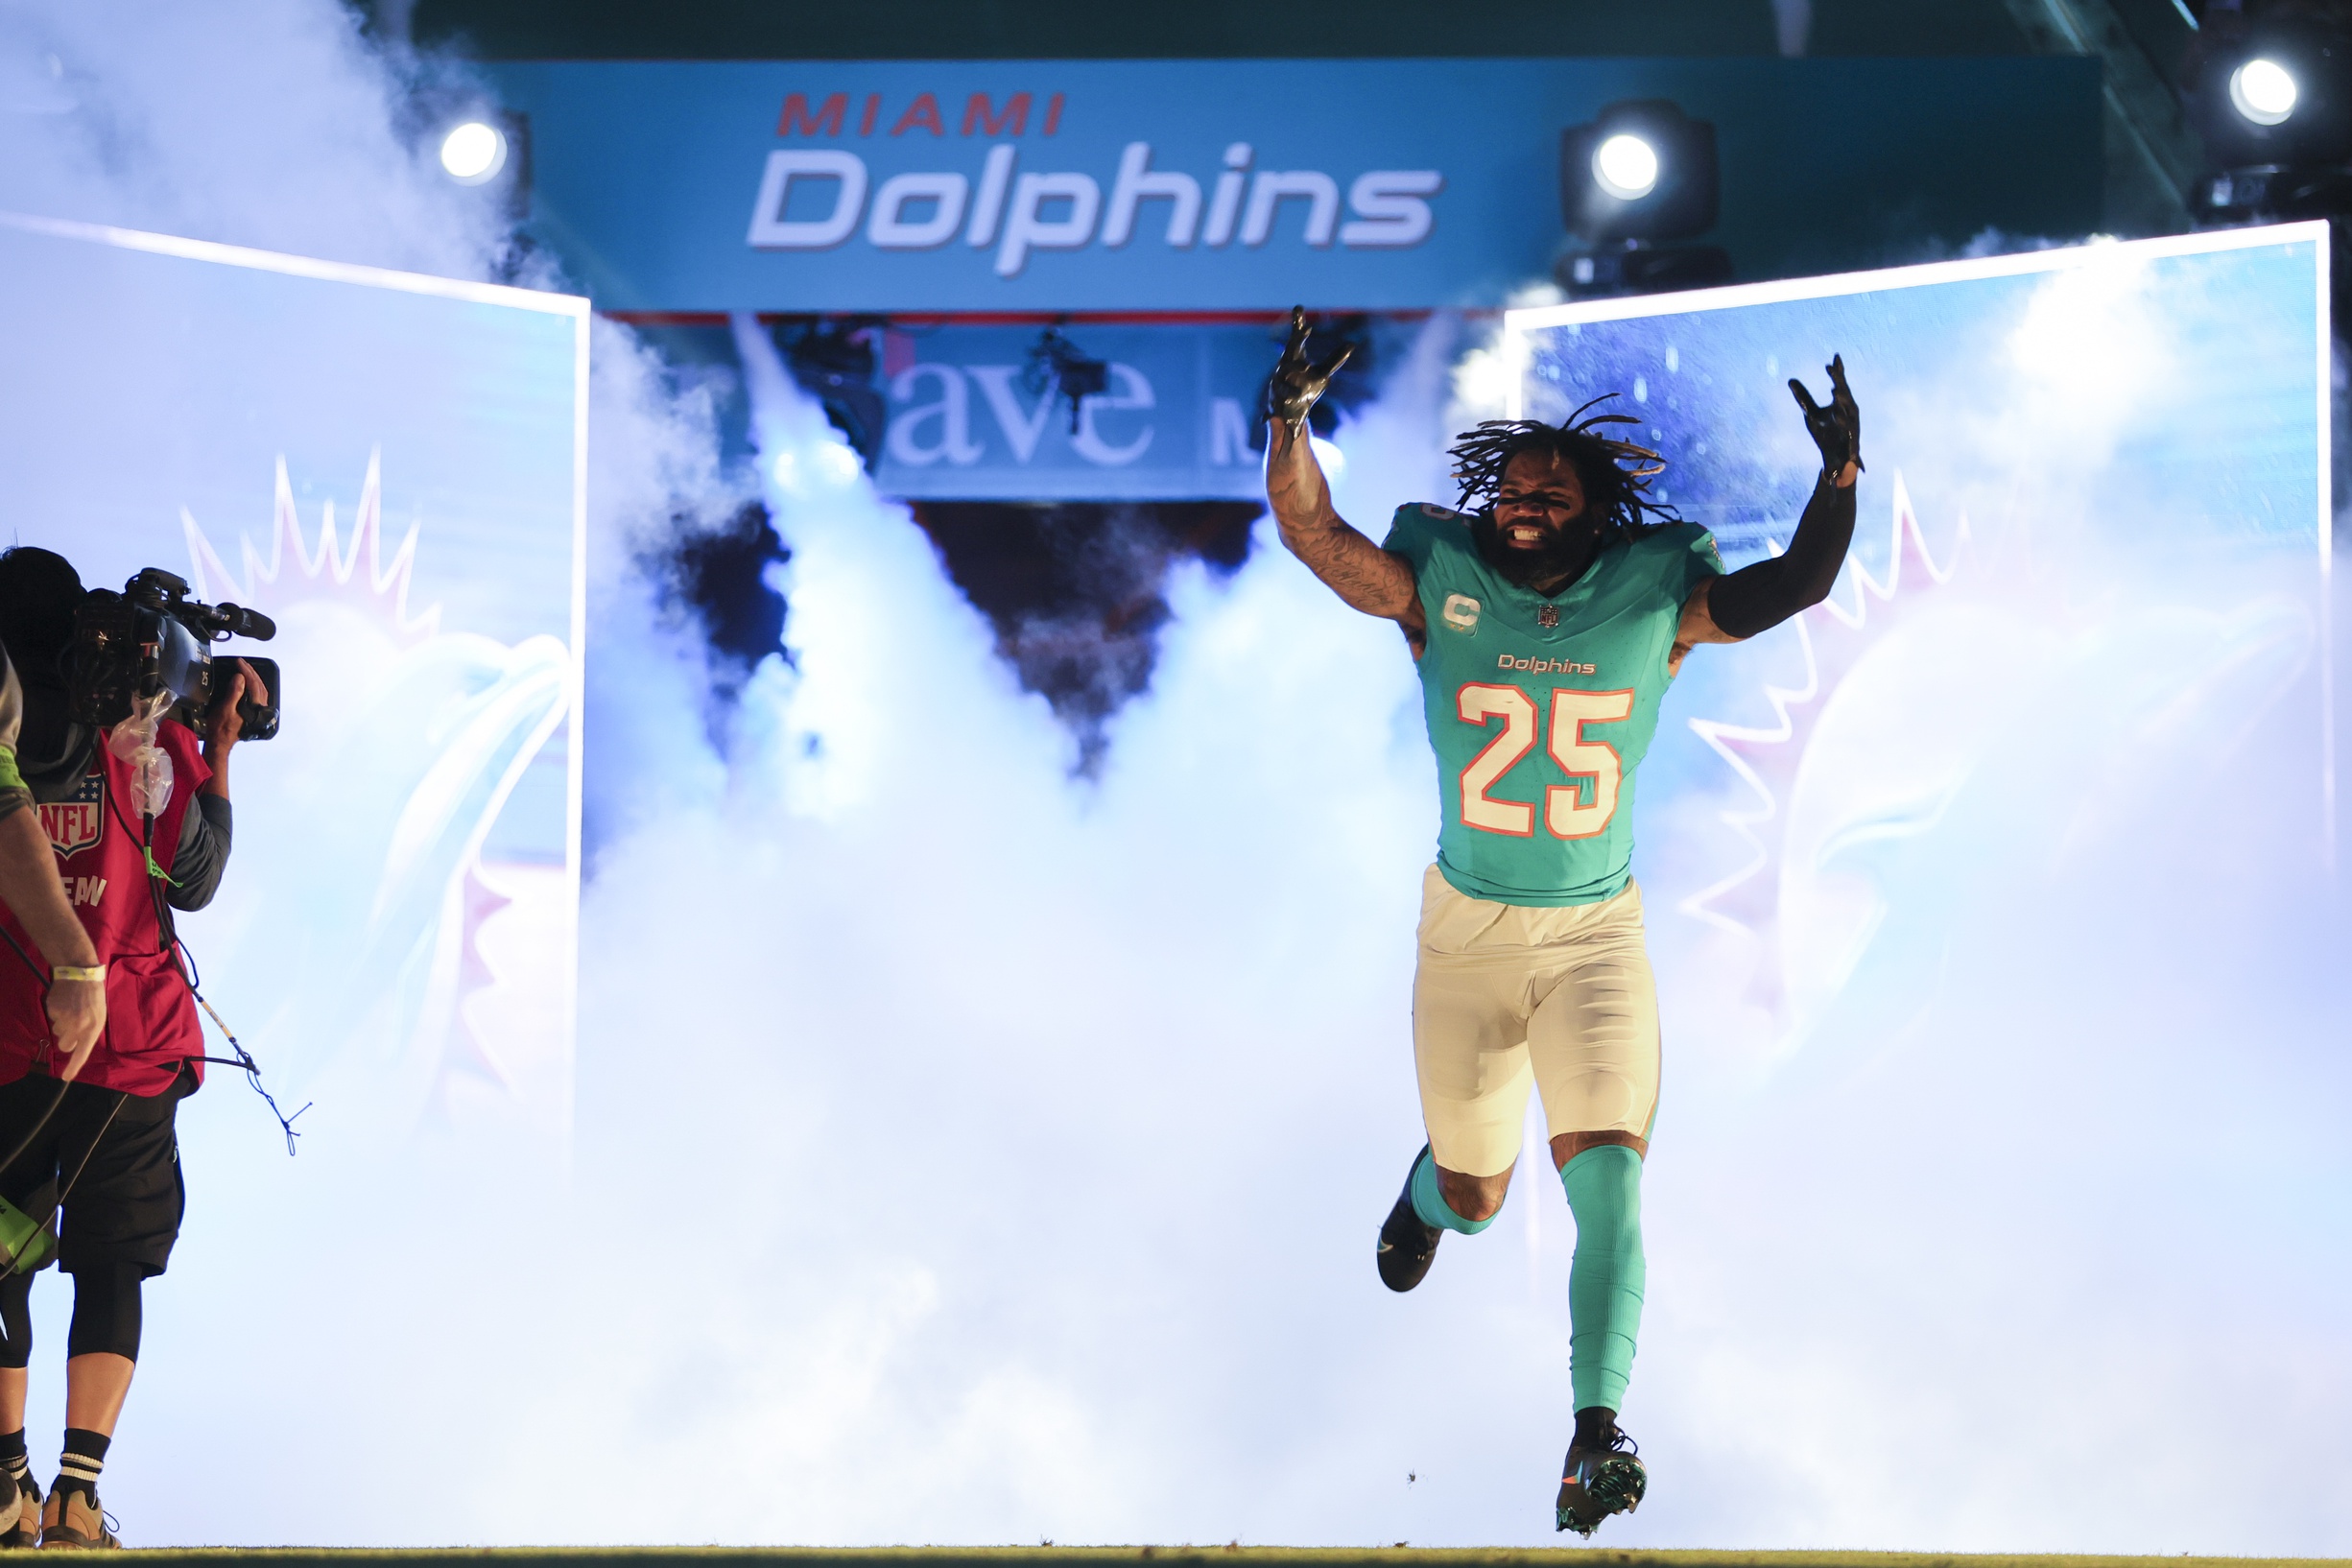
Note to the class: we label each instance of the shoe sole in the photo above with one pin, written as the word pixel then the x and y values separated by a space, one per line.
pixel 1618 1486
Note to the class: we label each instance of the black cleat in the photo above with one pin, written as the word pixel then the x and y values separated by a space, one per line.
pixel 1407 1246
pixel 1602 1476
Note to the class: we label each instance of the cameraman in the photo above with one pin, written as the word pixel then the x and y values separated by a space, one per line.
pixel 95 1119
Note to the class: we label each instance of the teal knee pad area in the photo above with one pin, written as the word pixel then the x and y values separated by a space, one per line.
pixel 1606 1279
pixel 1430 1203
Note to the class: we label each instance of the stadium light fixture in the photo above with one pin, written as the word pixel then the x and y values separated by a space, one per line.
pixel 1636 181
pixel 2262 91
pixel 1626 167
pixel 2270 94
pixel 473 152
pixel 1640 170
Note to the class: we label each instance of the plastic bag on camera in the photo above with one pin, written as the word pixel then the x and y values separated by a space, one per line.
pixel 134 742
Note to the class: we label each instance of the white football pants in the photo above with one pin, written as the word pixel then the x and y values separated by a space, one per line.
pixel 1506 994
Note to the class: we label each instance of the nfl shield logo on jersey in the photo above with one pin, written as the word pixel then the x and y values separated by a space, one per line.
pixel 75 822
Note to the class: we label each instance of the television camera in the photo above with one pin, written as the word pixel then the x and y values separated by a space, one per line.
pixel 153 638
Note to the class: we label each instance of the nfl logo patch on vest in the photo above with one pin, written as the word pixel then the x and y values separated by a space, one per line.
pixel 1547 616
pixel 77 821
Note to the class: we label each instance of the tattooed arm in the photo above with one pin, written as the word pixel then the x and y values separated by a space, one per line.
pixel 1352 565
pixel 1355 568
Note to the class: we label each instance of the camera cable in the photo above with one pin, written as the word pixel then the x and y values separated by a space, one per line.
pixel 171 947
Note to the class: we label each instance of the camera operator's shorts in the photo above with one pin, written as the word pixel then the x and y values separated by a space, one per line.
pixel 1507 994
pixel 125 1204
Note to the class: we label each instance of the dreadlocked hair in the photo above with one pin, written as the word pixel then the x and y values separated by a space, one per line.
pixel 1615 474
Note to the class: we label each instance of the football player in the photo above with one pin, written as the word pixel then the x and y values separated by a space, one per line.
pixel 1548 612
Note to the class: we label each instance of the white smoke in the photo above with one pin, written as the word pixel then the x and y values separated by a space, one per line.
pixel 1095 1095
pixel 275 125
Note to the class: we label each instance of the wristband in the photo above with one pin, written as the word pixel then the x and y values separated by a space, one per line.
pixel 73 972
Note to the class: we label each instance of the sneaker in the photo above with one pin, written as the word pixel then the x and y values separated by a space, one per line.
pixel 12 1510
pixel 24 1527
pixel 71 1518
pixel 1407 1246
pixel 1600 1478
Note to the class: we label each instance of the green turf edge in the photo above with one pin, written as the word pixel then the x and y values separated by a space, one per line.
pixel 1102 1556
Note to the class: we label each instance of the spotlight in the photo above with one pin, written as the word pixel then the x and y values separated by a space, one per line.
pixel 2262 91
pixel 473 153
pixel 1642 173
pixel 1627 167
pixel 2269 93
pixel 1642 170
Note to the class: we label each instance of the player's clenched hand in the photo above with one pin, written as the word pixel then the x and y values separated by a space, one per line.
pixel 1297 383
pixel 1837 430
pixel 77 1017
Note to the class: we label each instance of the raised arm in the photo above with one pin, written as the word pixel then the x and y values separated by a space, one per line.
pixel 1740 604
pixel 208 829
pixel 1355 568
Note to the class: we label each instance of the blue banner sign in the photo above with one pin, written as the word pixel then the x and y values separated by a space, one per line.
pixel 1129 185
pixel 977 414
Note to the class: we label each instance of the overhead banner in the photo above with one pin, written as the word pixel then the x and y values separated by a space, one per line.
pixel 1242 184
pixel 977 412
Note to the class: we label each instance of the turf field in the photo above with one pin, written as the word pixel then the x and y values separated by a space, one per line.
pixel 1178 1557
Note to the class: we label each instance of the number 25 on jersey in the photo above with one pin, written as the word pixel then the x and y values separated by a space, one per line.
pixel 1577 809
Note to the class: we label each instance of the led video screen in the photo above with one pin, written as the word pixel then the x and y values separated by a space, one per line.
pixel 2090 579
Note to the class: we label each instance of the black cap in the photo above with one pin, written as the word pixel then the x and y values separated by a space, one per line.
pixel 39 594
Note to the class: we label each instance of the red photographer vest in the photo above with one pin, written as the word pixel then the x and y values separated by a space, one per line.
pixel 151 1016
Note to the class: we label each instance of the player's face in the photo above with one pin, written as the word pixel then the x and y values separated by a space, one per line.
pixel 1539 497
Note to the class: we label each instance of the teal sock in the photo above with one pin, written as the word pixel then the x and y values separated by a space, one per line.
pixel 1605 1282
pixel 1429 1203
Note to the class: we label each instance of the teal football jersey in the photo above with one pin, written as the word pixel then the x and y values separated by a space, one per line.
pixel 1541 709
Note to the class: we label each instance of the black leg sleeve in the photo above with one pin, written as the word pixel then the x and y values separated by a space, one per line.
pixel 1768 592
pixel 15 1319
pixel 105 1310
